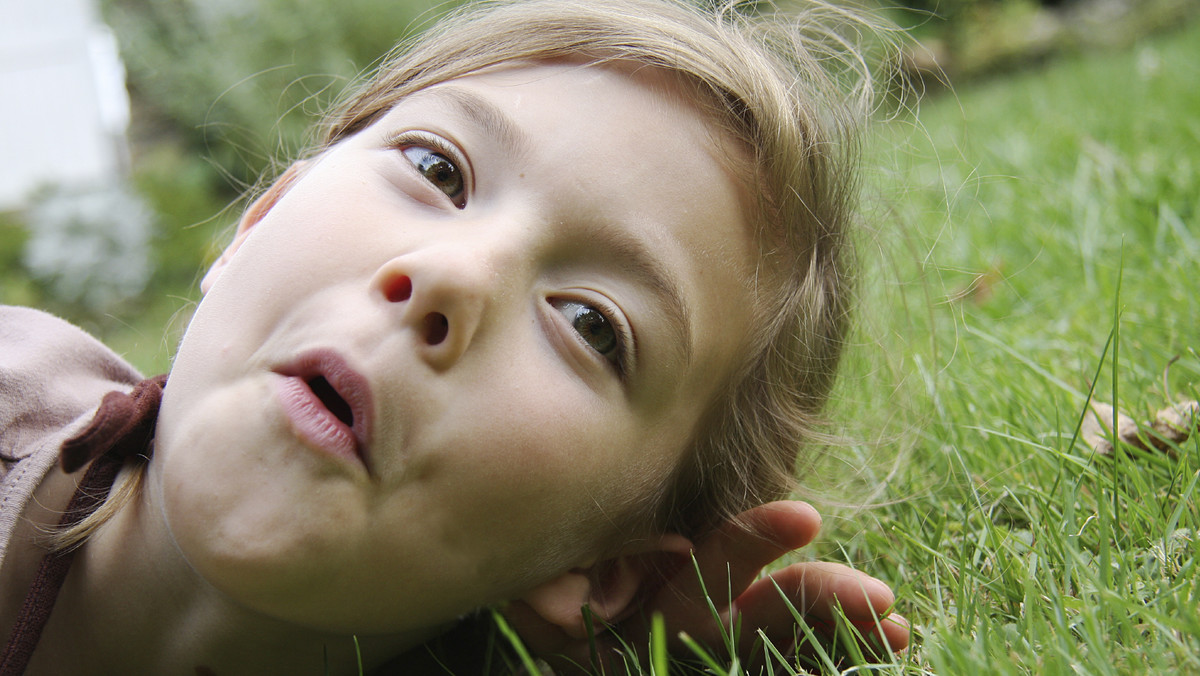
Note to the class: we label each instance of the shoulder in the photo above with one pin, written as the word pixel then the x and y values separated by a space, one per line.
pixel 25 332
pixel 51 373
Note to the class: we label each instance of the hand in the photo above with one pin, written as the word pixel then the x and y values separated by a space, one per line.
pixel 731 560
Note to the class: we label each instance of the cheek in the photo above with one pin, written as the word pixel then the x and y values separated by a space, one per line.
pixel 538 471
pixel 549 442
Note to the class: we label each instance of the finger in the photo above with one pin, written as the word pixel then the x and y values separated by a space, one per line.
pixel 817 587
pixel 816 590
pixel 896 632
pixel 729 560
pixel 734 554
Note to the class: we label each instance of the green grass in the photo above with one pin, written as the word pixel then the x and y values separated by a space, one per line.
pixel 1070 195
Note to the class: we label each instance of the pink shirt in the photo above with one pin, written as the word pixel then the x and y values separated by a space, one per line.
pixel 52 378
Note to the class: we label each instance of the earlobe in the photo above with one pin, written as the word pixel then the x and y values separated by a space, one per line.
pixel 255 213
pixel 560 601
pixel 610 588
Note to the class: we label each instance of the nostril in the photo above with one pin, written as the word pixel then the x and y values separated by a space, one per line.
pixel 436 328
pixel 398 289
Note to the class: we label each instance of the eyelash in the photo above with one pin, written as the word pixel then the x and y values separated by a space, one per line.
pixel 626 340
pixel 413 138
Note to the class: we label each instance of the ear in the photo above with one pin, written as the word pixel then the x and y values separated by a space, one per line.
pixel 611 588
pixel 257 211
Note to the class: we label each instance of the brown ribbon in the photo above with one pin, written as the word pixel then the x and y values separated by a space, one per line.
pixel 122 427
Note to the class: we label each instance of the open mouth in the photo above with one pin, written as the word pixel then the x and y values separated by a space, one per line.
pixel 328 404
pixel 331 400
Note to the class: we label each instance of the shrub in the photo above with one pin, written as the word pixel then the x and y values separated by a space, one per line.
pixel 91 245
pixel 242 80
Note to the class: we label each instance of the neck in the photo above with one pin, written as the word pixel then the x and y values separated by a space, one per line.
pixel 132 604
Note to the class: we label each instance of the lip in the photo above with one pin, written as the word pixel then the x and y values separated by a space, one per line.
pixel 312 420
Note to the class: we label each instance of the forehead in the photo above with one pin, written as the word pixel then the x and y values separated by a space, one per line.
pixel 603 109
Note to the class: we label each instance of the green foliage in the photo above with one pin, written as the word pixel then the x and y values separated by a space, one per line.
pixel 1056 213
pixel 16 288
pixel 964 40
pixel 89 244
pixel 243 81
pixel 950 18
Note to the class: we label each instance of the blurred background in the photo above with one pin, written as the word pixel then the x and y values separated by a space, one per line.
pixel 130 127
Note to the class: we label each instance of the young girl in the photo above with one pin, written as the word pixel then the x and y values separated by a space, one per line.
pixel 560 292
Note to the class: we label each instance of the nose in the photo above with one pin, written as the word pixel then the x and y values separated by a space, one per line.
pixel 440 296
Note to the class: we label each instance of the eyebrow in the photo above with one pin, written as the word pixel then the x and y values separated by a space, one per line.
pixel 484 114
pixel 637 260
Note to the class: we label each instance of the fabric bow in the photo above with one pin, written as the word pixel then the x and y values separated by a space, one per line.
pixel 123 426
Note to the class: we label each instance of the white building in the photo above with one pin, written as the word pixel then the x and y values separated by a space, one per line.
pixel 63 104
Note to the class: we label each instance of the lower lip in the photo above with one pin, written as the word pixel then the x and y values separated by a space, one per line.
pixel 316 425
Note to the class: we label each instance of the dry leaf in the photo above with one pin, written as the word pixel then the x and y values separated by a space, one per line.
pixel 1098 423
pixel 1172 425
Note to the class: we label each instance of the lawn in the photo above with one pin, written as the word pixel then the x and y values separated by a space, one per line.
pixel 1038 244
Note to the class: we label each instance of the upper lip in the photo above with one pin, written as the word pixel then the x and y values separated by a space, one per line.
pixel 348 383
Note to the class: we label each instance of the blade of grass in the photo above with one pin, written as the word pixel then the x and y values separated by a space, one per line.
pixel 659 662
pixel 515 641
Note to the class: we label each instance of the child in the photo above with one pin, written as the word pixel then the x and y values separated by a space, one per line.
pixel 560 292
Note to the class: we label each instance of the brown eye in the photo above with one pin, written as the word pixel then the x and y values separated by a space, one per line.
pixel 439 170
pixel 595 329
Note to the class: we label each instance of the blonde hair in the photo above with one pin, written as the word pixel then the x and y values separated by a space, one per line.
pixel 794 92
pixel 125 489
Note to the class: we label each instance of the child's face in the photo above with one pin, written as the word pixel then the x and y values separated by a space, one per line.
pixel 523 357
